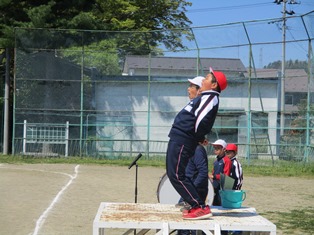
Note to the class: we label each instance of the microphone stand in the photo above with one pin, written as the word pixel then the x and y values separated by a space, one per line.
pixel 135 193
pixel 136 172
pixel 136 167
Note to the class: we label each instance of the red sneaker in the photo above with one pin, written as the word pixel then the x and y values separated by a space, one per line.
pixel 185 212
pixel 198 213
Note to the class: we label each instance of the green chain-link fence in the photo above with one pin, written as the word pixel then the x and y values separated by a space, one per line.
pixel 120 91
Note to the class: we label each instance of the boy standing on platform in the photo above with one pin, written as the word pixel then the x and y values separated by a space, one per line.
pixel 197 168
pixel 190 126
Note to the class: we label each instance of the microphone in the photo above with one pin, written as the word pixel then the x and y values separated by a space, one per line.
pixel 135 160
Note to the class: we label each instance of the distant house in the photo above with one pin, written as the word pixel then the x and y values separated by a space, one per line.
pixel 180 66
pixel 296 85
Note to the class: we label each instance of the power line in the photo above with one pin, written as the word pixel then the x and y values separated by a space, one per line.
pixel 228 7
pixel 298 43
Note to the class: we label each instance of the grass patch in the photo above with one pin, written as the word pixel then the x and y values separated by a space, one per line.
pixel 254 168
pixel 294 222
pixel 281 169
pixel 77 160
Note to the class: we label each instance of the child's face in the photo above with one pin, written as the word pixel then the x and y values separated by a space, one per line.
pixel 230 153
pixel 209 83
pixel 219 150
pixel 193 91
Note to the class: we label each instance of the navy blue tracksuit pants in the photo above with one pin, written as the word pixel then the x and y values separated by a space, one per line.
pixel 176 161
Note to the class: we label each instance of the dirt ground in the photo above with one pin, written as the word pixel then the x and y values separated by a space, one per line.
pixel 62 199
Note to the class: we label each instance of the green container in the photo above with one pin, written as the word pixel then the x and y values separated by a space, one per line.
pixel 232 198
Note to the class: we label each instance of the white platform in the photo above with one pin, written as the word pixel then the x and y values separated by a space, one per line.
pixel 164 218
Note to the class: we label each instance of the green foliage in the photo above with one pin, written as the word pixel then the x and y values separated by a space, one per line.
pixel 302 107
pixel 113 15
pixel 39 16
pixel 101 55
pixel 292 143
pixel 84 20
pixel 290 64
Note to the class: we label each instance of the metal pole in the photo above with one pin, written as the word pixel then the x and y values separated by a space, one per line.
pixel 282 99
pixel 148 105
pixel 82 95
pixel 198 62
pixel 6 103
pixel 309 85
pixel 136 172
pixel 249 114
pixel 24 136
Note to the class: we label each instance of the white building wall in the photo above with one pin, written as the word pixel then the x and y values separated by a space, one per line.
pixel 130 100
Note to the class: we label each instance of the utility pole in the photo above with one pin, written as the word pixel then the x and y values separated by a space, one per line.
pixel 283 70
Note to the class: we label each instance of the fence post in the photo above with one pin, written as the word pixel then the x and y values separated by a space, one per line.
pixel 24 136
pixel 67 139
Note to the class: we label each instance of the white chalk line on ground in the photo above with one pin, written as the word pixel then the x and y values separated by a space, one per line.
pixel 3 166
pixel 43 217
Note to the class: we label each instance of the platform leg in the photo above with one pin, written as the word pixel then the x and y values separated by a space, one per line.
pixel 217 229
pixel 165 229
pixel 98 231
pixel 207 232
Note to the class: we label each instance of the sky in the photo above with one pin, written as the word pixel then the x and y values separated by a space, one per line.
pixel 217 12
pixel 211 12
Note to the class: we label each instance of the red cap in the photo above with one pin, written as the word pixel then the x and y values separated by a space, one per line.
pixel 231 147
pixel 220 77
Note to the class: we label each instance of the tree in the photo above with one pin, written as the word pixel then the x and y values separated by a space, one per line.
pixel 115 15
pixel 290 64
pixel 96 55
pixel 136 27
pixel 293 144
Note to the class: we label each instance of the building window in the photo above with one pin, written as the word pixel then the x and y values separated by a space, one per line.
pixel 289 99
pixel 131 72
